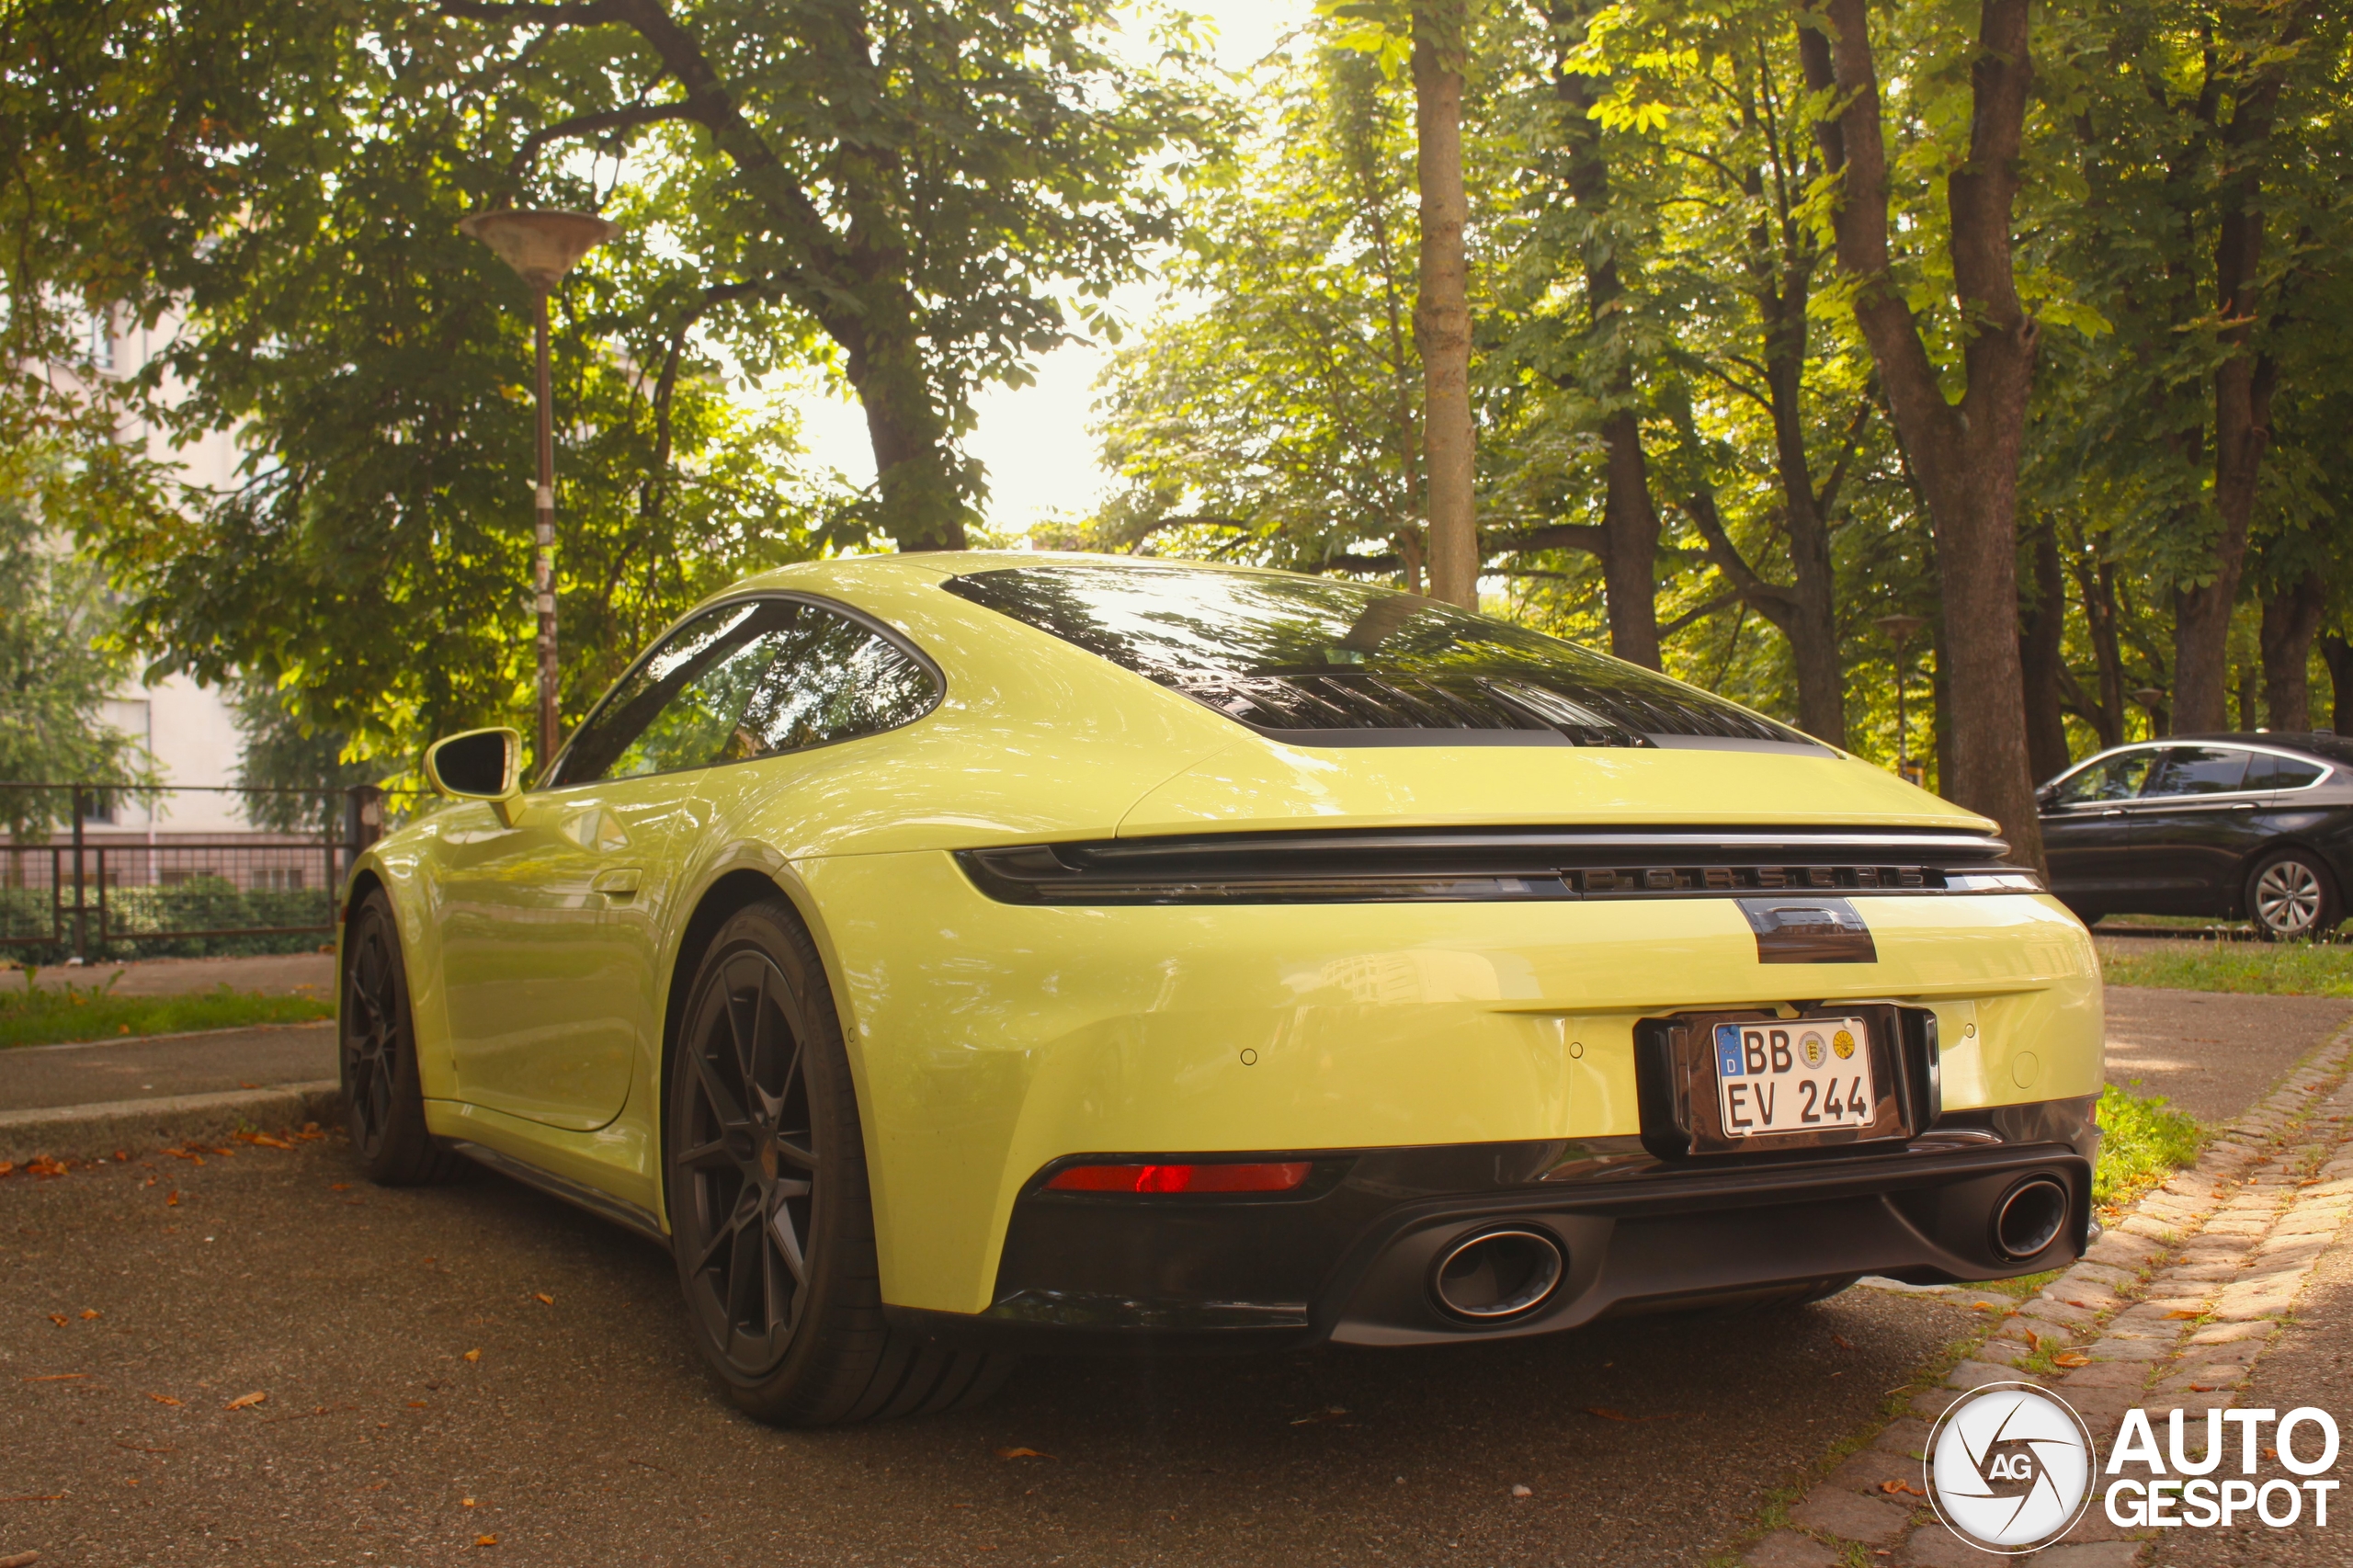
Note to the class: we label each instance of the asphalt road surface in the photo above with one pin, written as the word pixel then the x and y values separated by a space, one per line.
pixel 585 1434
pixel 2212 1055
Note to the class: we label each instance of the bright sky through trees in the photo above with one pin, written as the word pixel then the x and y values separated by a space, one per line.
pixel 1040 461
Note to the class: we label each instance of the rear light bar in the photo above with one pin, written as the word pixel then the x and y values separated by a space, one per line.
pixel 1280 1178
pixel 1483 866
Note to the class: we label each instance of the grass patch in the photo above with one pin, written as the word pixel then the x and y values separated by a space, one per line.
pixel 2261 968
pixel 2143 1140
pixel 43 1015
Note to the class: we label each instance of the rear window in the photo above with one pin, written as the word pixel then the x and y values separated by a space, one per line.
pixel 1292 653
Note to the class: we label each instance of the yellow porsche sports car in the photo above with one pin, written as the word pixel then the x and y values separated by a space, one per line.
pixel 949 954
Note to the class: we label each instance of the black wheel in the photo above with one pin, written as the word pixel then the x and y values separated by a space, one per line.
pixel 770 1219
pixel 380 1094
pixel 2292 895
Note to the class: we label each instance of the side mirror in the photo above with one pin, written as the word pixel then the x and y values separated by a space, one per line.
pixel 480 765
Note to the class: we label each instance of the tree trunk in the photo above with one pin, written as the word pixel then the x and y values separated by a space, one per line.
pixel 1630 522
pixel 2243 385
pixel 2291 620
pixel 922 504
pixel 1442 315
pixel 2337 654
pixel 1813 625
pixel 2097 583
pixel 1966 457
pixel 2040 657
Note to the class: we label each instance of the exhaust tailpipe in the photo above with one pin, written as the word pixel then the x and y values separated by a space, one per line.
pixel 1495 1276
pixel 2029 1216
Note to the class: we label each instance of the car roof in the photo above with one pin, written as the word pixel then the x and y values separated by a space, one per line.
pixel 2325 746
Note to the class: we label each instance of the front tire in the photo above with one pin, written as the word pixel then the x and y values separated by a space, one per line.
pixel 382 1097
pixel 770 1219
pixel 2292 895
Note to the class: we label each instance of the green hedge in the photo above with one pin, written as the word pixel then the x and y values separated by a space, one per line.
pixel 140 920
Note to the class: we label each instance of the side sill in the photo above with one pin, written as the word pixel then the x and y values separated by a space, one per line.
pixel 604 1204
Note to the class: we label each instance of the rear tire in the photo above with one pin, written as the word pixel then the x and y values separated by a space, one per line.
pixel 384 1101
pixel 2292 895
pixel 771 1221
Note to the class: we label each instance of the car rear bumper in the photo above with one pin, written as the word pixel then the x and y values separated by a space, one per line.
pixel 1350 1258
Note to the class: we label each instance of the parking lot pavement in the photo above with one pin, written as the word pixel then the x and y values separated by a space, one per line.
pixel 585 1433
pixel 97 1072
pixel 2214 1055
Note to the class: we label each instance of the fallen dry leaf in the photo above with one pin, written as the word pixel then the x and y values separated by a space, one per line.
pixel 465 1502
pixel 1608 1414
pixel 1522 1492
pixel 42 1497
pixel 1894 1488
pixel 473 1355
pixel 89 1313
pixel 2071 1359
pixel 58 1318
pixel 43 1165
pixel 6 1165
pixel 174 1200
pixel 264 1141
pixel 122 1156
pixel 485 1540
pixel 2033 1340
pixel 338 1186
pixel 54 1378
pixel 543 1298
pixel 1841 1341
pixel 417 1404
pixel 1021 1454
pixel 163 1399
pixel 2184 1312
pixel 245 1401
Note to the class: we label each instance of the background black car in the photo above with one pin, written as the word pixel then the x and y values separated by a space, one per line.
pixel 2258 827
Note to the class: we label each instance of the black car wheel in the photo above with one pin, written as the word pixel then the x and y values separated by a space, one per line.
pixel 2291 895
pixel 770 1219
pixel 382 1096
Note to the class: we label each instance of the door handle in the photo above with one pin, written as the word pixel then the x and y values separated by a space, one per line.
pixel 2113 812
pixel 619 882
pixel 2242 805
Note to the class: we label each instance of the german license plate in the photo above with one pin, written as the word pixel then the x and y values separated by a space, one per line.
pixel 1804 1076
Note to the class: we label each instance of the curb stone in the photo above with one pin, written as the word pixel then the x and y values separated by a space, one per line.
pixel 96 1131
pixel 2171 1307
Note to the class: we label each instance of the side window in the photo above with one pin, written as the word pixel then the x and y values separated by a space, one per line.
pixel 747 680
pixel 2197 770
pixel 2269 772
pixel 2118 778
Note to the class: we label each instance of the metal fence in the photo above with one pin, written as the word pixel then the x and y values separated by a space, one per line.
pixel 105 871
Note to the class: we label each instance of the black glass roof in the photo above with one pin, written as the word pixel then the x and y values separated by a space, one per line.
pixel 1349 663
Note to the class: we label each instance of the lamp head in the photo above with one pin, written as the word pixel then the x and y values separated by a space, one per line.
pixel 540 246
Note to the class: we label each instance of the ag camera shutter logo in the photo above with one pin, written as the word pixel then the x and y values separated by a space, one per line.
pixel 2010 1468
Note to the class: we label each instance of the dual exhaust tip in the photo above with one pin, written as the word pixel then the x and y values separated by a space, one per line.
pixel 1493 1276
pixel 2029 1216
pixel 1497 1276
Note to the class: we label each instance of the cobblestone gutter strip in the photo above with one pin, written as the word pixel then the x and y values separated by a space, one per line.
pixel 2169 1309
pixel 96 1131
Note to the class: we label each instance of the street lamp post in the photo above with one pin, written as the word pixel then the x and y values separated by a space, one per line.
pixel 1902 627
pixel 541 247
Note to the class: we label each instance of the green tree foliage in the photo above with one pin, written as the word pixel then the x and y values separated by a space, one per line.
pixel 911 192
pixel 1669 366
pixel 55 671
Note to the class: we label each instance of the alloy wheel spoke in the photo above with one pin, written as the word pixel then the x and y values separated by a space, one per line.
pixel 723 1107
pixel 796 1150
pixel 787 1235
pixel 745 1275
